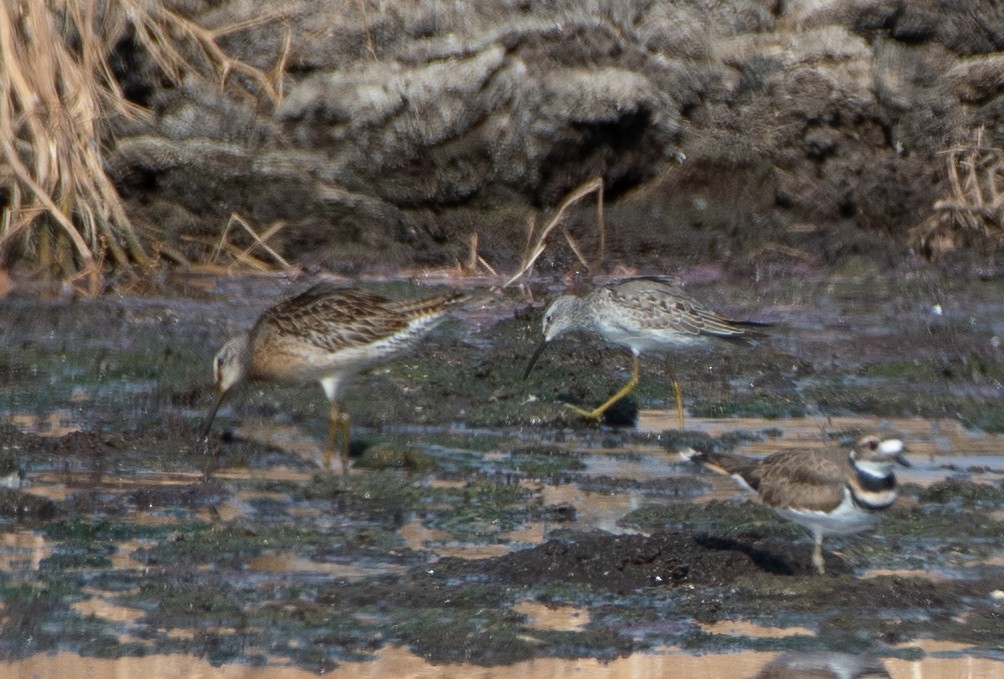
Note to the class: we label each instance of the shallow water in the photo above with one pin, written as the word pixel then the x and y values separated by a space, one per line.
pixel 125 505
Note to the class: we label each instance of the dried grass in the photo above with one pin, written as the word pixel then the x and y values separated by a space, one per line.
pixel 242 257
pixel 975 209
pixel 536 242
pixel 57 94
pixel 475 260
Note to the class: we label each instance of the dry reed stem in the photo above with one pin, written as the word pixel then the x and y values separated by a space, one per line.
pixel 472 253
pixel 243 255
pixel 537 245
pixel 976 202
pixel 474 259
pixel 163 33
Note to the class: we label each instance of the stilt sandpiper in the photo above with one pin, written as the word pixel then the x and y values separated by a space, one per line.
pixel 325 334
pixel 644 315
pixel 829 491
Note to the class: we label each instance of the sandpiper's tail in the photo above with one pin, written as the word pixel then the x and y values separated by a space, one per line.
pixel 739 332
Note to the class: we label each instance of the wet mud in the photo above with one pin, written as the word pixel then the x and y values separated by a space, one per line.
pixel 484 523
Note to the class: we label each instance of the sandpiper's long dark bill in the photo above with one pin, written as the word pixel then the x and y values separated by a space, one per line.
pixel 643 315
pixel 211 417
pixel 830 491
pixel 533 359
pixel 325 334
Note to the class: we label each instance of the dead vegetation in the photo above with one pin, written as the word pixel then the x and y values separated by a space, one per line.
pixel 58 94
pixel 537 240
pixel 245 258
pixel 974 210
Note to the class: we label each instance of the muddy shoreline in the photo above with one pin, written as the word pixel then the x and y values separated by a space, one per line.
pixel 477 504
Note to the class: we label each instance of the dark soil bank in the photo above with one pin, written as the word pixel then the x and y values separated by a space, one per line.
pixel 739 130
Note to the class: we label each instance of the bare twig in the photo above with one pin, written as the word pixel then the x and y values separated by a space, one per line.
pixel 242 256
pixel 537 245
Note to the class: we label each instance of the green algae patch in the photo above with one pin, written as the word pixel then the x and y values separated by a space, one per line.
pixel 90 556
pixel 387 455
pixel 843 393
pixel 985 415
pixel 726 517
pixel 768 406
pixel 90 530
pixel 385 496
pixel 490 636
pixel 964 494
pixel 230 545
pixel 483 510
pixel 535 460
pixel 940 522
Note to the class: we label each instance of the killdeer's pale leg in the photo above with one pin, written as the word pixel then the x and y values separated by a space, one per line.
pixel 817 552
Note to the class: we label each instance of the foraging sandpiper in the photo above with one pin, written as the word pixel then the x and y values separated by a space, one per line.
pixel 643 315
pixel 326 334
pixel 828 490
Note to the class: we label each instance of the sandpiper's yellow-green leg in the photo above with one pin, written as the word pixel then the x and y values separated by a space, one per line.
pixel 677 393
pixel 338 430
pixel 597 412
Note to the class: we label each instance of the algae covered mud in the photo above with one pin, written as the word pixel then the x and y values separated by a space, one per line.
pixel 484 527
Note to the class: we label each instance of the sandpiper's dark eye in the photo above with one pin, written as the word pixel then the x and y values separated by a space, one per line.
pixel 873 444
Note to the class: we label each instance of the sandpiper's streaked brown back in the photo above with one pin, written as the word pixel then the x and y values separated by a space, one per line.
pixel 830 491
pixel 326 334
pixel 643 315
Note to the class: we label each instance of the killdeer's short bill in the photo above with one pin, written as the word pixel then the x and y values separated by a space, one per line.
pixel 830 491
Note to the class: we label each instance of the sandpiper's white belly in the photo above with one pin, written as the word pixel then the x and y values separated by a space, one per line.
pixel 645 340
pixel 847 518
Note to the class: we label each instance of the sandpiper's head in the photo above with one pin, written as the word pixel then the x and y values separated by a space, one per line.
pixel 230 365
pixel 559 317
pixel 876 456
pixel 230 368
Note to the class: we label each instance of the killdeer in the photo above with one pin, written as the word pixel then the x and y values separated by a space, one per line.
pixel 829 491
